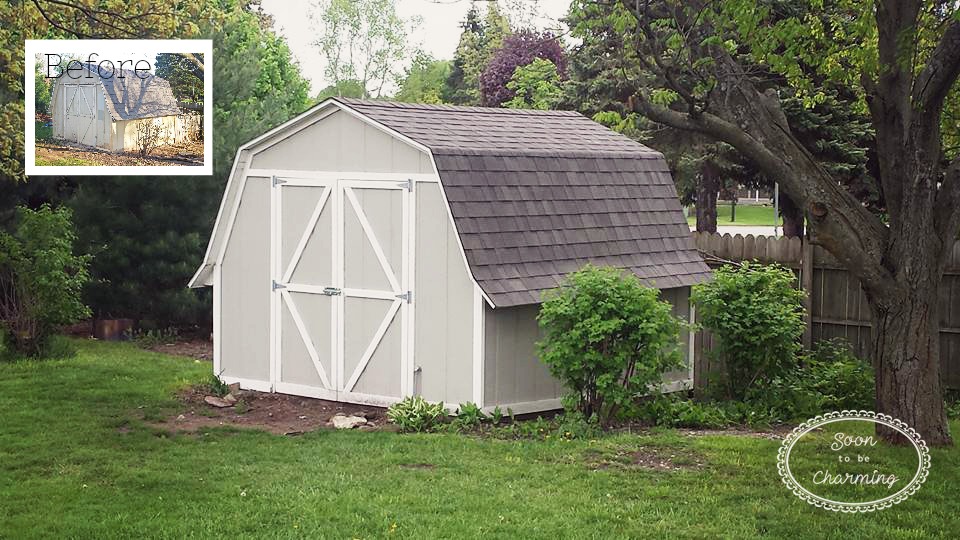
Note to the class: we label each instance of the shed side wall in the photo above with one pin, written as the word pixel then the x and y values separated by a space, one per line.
pixel 512 371
pixel 245 296
pixel 341 142
pixel 443 295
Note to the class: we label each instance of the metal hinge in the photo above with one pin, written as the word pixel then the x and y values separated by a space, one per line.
pixel 331 291
pixel 408 185
pixel 408 296
pixel 276 181
pixel 274 286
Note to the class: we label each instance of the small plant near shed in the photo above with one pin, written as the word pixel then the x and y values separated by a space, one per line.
pixel 216 386
pixel 415 414
pixel 756 314
pixel 608 339
pixel 469 416
pixel 149 133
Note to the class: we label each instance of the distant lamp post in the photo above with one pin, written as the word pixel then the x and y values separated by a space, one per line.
pixel 776 209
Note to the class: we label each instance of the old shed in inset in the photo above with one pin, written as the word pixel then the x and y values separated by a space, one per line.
pixel 366 250
pixel 108 109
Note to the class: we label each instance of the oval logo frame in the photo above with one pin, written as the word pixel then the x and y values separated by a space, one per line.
pixel 923 464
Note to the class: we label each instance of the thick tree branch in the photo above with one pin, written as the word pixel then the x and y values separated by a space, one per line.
pixel 850 232
pixel 945 214
pixel 940 72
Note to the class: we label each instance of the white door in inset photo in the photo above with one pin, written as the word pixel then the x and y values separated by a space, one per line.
pixel 80 114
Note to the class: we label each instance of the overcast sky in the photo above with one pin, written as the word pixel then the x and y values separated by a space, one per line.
pixel 438 34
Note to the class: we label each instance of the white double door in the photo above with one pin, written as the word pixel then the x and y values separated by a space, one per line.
pixel 341 296
pixel 80 113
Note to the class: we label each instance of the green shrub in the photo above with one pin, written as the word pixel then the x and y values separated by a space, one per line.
pixel 564 427
pixel 469 416
pixel 839 379
pixel 40 278
pixel 608 339
pixel 756 315
pixel 672 411
pixel 415 414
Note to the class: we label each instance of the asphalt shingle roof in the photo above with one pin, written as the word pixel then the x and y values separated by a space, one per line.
pixel 130 97
pixel 535 195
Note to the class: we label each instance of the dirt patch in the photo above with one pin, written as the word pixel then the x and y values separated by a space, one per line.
pixel 645 457
pixel 201 349
pixel 59 152
pixel 775 433
pixel 280 414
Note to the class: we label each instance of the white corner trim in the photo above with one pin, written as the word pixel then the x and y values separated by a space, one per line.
pixel 478 344
pixel 691 343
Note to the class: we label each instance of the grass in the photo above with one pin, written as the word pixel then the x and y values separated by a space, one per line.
pixel 77 459
pixel 44 132
pixel 65 161
pixel 758 215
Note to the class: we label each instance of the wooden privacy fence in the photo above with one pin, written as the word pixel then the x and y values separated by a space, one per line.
pixel 836 306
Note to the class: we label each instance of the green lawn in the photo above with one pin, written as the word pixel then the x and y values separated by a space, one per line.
pixel 43 132
pixel 747 214
pixel 65 161
pixel 77 460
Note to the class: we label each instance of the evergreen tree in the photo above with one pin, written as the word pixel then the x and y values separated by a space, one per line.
pixel 479 41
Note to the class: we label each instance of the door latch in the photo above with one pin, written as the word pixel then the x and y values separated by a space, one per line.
pixel 331 291
pixel 407 296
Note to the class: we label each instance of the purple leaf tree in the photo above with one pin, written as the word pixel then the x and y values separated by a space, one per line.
pixel 518 49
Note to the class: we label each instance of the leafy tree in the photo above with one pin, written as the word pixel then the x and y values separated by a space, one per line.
pixel 902 60
pixel 40 278
pixel 518 49
pixel 42 89
pixel 348 89
pixel 536 85
pixel 608 339
pixel 424 80
pixel 362 40
pixel 480 38
pixel 184 75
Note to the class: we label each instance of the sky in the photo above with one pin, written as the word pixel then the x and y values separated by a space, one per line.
pixel 438 35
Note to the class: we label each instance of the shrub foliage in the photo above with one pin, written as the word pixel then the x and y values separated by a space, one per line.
pixel 756 315
pixel 608 339
pixel 414 413
pixel 40 278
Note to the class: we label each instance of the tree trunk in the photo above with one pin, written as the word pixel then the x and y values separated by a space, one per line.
pixel 906 359
pixel 792 217
pixel 708 188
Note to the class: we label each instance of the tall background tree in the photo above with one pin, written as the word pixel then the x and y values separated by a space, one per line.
pixel 902 59
pixel 424 80
pixel 518 50
pixel 482 35
pixel 362 41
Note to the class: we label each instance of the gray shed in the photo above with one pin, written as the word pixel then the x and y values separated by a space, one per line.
pixel 368 250
pixel 98 107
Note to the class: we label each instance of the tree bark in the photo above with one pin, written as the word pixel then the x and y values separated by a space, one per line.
pixel 792 217
pixel 906 360
pixel 708 189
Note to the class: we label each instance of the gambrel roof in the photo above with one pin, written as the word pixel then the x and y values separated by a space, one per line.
pixel 535 195
pixel 131 96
